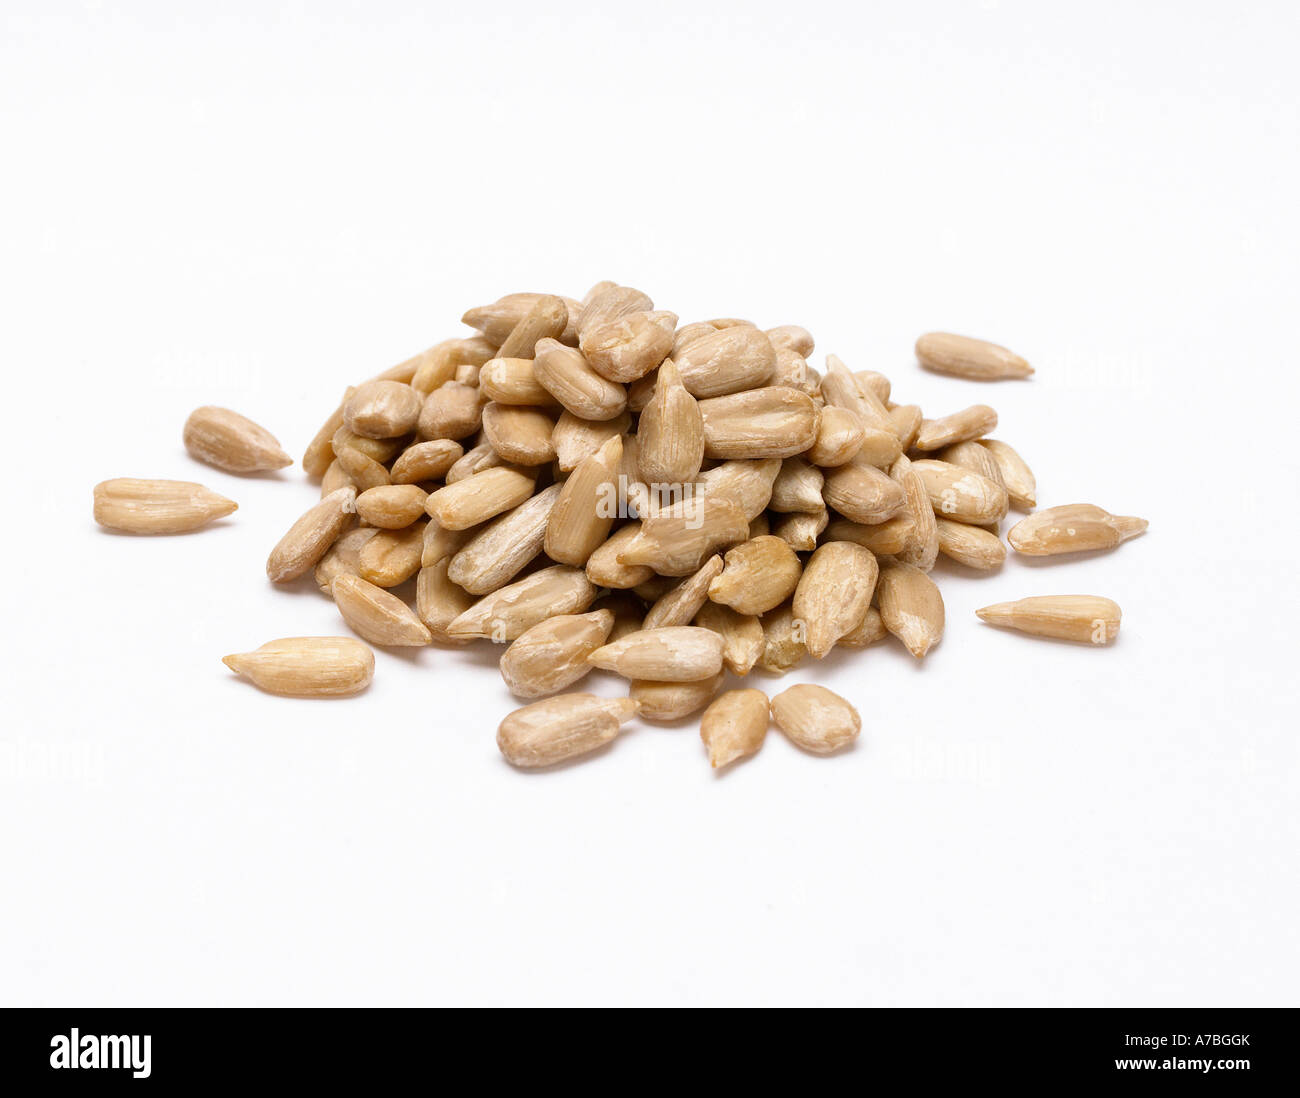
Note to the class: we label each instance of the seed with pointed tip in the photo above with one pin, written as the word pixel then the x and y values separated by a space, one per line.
pixel 1072 528
pixel 564 727
pixel 232 442
pixel 553 654
pixel 963 356
pixel 834 593
pixel 1089 619
pixel 677 653
pixel 378 615
pixel 134 506
pixel 911 607
pixel 734 726
pixel 307 667
pixel 310 537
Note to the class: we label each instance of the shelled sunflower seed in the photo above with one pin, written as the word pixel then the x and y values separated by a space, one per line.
pixel 591 484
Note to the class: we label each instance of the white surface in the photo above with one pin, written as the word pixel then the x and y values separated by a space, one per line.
pixel 254 206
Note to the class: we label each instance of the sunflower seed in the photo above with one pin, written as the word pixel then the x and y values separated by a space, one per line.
pixel 629 347
pixel 604 567
pixel 905 421
pixel 437 366
pixel 962 356
pixel 576 439
pixel 1016 475
pixel 922 548
pixel 320 451
pixel 971 455
pixel 134 506
pixel 874 382
pixel 910 606
pixel 839 437
pixel 376 615
pixel 816 719
pixel 683 601
pixel 834 593
pixel 547 319
pixel 344 557
pixel 452 411
pixel 567 376
pixel 748 484
pixel 760 423
pixel 441 543
pixel 382 409
pixel 670 433
pixel 381 450
pixel 307 667
pixel 671 701
pixel 1072 528
pixel 426 461
pixel 480 497
pixel 969 423
pixel 791 336
pixel 863 493
pixel 734 726
pixel 392 506
pixel 677 653
pixel 498 320
pixel 514 381
pixel 676 540
pixel 607 303
pixel 867 632
pixel 519 435
pixel 311 536
pixel 842 389
pixel 232 442
pixel 336 477
pixel 498 551
pixel 475 460
pixel 784 640
pixel 801 531
pixel 553 654
pixel 726 361
pixel 798 487
pixel 961 495
pixel 505 614
pixel 1090 619
pixel 742 635
pixel 970 545
pixel 757 576
pixel 363 472
pixel 392 556
pixel 584 514
pixel 555 729
pixel 439 602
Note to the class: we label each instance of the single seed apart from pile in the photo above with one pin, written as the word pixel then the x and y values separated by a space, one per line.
pixel 1016 475
pixel 553 654
pixel 911 607
pixel 505 614
pixel 816 719
pixel 564 727
pixel 1090 619
pixel 392 556
pixel 134 506
pixel 961 495
pixel 962 356
pixel 307 667
pixel 757 576
pixel 1072 528
pixel 392 506
pixel 969 423
pixel 742 635
pixel 834 593
pixel 378 616
pixel 671 701
pixel 480 497
pixel 972 546
pixel 679 653
pixel 382 409
pixel 734 726
pixel 680 605
pixel 311 536
pixel 232 442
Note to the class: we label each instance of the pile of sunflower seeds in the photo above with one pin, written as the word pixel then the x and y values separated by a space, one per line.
pixel 593 485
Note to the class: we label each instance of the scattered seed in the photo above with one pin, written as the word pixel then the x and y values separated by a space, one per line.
pixel 962 356
pixel 1090 619
pixel 232 442
pixel 816 719
pixel 307 667
pixel 734 726
pixel 1072 528
pixel 311 536
pixel 134 506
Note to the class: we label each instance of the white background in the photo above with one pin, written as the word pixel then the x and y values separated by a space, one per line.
pixel 254 205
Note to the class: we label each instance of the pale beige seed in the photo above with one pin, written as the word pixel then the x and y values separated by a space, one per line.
pixel 307 667
pixel 588 504
pixel 671 701
pixel 441 543
pixel 453 411
pixel 816 719
pixel 424 461
pixel 911 607
pixel 392 506
pixel 1089 619
pixel 336 477
pixel 975 359
pixel 784 640
pixel 498 320
pixel 798 487
pixel 363 472
pixel 392 556
pixel 320 451
pixel 971 455
pixel 867 632
pixel 840 435
pixel 905 421
pixel 567 377
pixel 689 333
pixel 970 423
pixel 834 593
pixel 382 409
pixel 480 497
pixel 801 531
pixel 742 635
pixel 604 568
pixel 680 605
pixel 748 484
pixel 874 382
pixel 734 726
pixel 1016 475
pixel 576 439
pixel 884 539
pixel 922 550
pixel 608 303
pixel 499 550
pixel 557 729
pixel 677 540
pixel 629 347
pixel 344 557
pixel 439 602
pixel 961 495
pixel 232 442
pixel 726 361
pixel 972 546
pixel 378 616
pixel 792 336
pixel 468 374
pixel 514 381
pixel 863 493
pixel 757 576
pixel 880 447
pixel 505 614
pixel 670 433
pixel 475 460
pixel 842 389
pixel 553 654
pixel 677 653
pixel 1072 528
pixel 519 435
pixel 133 506
pixel 310 537
pixel 761 423
pixel 438 365
pixel 793 371
pixel 382 450
pixel 547 319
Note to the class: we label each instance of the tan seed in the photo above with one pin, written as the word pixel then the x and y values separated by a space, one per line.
pixel 505 614
pixel 680 605
pixel 922 549
pixel 734 726
pixel 441 543
pixel 1089 619
pixel 513 381
pixel 671 701
pixel 567 376
pixel 587 506
pixel 392 506
pixel 971 455
pixel 554 730
pixel 1016 475
pixel 382 409
pixel 498 320
pixel 363 472
pixel 343 557
pixel 816 719
pixel 839 437
pixel 320 451
pixel 607 303
pixel 232 442
pixel 961 495
pixel 757 576
pixel 863 493
pixel 392 556
pixel 479 497
pixel 911 607
pixel 553 654
pixel 336 477
pixel 437 366
pixel 604 567
pixel 792 336
pixel 677 540
pixel 629 347
pixel 798 487
pixel 452 411
pixel 761 423
pixel 1072 528
pixel 307 667
pixel 378 616
pixel 439 602
pixel 742 635
pixel 499 550
pixel 874 382
pixel 547 319
pixel 670 433
pixel 748 484
pixel 834 593
pixel 382 450
pixel 519 435
pixel 801 531
pixel 884 539
pixel 784 640
pixel 426 461
pixel 867 632
pixel 576 439
pixel 726 361
pixel 843 390
pixel 905 421
pixel 133 506
pixel 969 423
pixel 475 460
pixel 970 545
pixel 678 653
pixel 962 356
pixel 311 536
